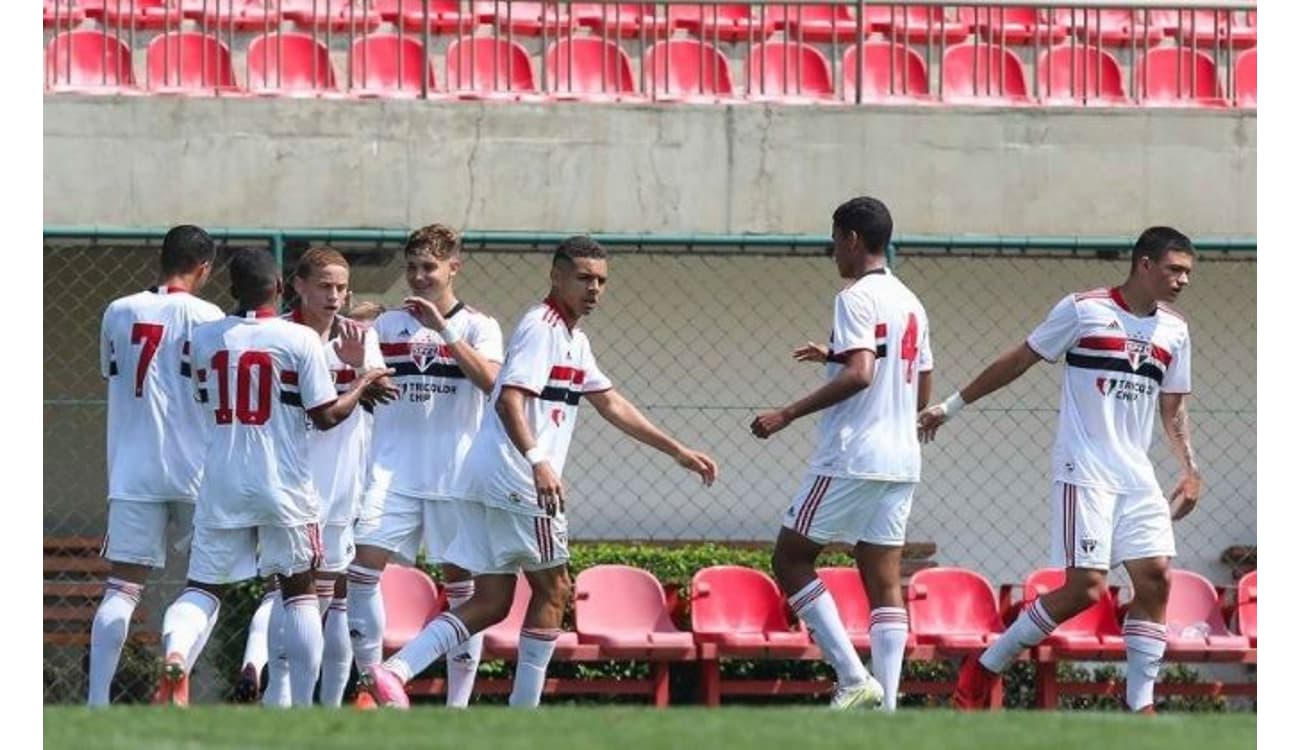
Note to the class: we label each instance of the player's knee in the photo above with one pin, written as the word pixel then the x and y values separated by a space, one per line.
pixel 1153 583
pixel 1087 590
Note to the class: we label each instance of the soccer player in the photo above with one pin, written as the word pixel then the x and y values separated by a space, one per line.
pixel 1125 352
pixel 515 500
pixel 155 435
pixel 257 511
pixel 858 489
pixel 446 356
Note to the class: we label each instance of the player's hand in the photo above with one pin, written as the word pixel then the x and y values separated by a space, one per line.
pixel 382 391
pixel 351 343
pixel 550 491
pixel 1185 495
pixel 371 377
pixel 811 352
pixel 426 312
pixel 699 463
pixel 928 422
pixel 769 423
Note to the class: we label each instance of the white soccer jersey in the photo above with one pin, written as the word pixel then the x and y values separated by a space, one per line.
pixel 256 374
pixel 872 435
pixel 156 433
pixel 340 456
pixel 420 440
pixel 555 365
pixel 1116 365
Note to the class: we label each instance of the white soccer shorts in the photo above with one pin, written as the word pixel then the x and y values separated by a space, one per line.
pixel 137 530
pixel 851 510
pixel 221 556
pixel 407 521
pixel 338 547
pixel 494 540
pixel 1099 529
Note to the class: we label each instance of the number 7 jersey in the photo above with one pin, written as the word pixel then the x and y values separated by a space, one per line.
pixel 256 374
pixel 156 433
pixel 872 434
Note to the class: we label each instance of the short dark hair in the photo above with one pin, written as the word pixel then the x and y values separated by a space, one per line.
pixel 869 218
pixel 1157 242
pixel 253 273
pixel 578 246
pixel 316 259
pixel 439 240
pixel 185 248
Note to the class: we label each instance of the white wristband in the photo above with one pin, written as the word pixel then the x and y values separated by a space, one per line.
pixel 449 335
pixel 535 455
pixel 953 404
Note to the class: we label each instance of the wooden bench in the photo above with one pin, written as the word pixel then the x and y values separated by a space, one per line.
pixel 74 584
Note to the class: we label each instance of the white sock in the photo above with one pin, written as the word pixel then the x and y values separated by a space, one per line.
pixel 1145 643
pixel 336 661
pixel 186 620
pixel 304 643
pixel 436 639
pixel 535 649
pixel 255 645
pixel 463 660
pixel 108 636
pixel 365 615
pixel 277 693
pixel 193 656
pixel 324 596
pixel 814 605
pixel 1029 629
pixel 888 641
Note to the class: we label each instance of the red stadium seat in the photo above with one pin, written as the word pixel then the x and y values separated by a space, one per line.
pixel 729 22
pixel 676 72
pixel 742 612
pixel 1245 77
pixel 588 68
pixel 1077 75
pixel 88 61
pixel 1178 76
pixel 624 611
pixel 983 74
pixel 1207 28
pixel 389 65
pixel 525 18
pixel 1113 26
pixel 911 82
pixel 818 23
pixel 622 19
pixel 916 24
pixel 63 14
pixel 1248 608
pixel 304 68
pixel 1092 634
pixel 1014 26
pixel 145 14
pixel 1197 631
pixel 788 71
pixel 336 15
pixel 953 609
pixel 410 602
pixel 188 62
pixel 846 590
pixel 241 15
pixel 483 67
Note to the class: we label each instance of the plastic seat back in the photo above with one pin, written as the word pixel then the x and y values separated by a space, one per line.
pixel 487 64
pixel 410 602
pixel 575 64
pixel 88 58
pixel 1248 606
pixel 1174 74
pixel 1193 609
pixel 788 69
pixel 910 78
pixel 620 598
pixel 1100 619
pixel 289 61
pixel 733 599
pixel 846 589
pixel 1067 72
pixel 188 60
pixel 983 70
pixel 1246 78
pixel 688 66
pixel 388 62
pixel 947 601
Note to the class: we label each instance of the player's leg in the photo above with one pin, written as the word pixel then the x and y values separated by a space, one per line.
pixel 331 586
pixel 392 532
pixel 551 589
pixel 134 543
pixel 441 520
pixel 1144 542
pixel 291 553
pixel 1081 543
pixel 278 693
pixel 256 649
pixel 884 508
pixel 809 524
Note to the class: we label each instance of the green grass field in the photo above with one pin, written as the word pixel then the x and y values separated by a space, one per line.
pixel 579 728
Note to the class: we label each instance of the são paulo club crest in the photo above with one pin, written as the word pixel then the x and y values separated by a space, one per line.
pixel 424 349
pixel 1138 351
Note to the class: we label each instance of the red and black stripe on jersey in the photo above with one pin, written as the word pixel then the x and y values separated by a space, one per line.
pixel 558 386
pixel 1110 353
pixel 289 394
pixel 397 356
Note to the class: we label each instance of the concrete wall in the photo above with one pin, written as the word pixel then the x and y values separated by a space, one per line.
pixel 153 161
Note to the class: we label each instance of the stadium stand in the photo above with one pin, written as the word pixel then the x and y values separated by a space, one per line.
pixel 483 67
pixel 910 82
pixel 187 62
pixel 1076 75
pixel 1014 26
pixel 1245 79
pixel 788 70
pixel 1168 75
pixel 388 65
pixel 983 74
pixel 588 68
pixel 443 15
pixel 688 69
pixel 85 61
pixel 289 63
pixel 1247 605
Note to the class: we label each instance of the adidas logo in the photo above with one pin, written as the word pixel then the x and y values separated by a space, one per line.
pixel 1113 324
pixel 405 332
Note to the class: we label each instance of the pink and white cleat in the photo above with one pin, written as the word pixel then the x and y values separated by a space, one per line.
pixel 385 687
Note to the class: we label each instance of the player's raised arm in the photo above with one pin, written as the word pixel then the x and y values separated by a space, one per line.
pixel 859 366
pixel 317 387
pixel 618 411
pixel 479 366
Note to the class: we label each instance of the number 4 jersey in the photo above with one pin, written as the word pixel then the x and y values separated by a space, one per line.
pixel 155 430
pixel 872 434
pixel 256 374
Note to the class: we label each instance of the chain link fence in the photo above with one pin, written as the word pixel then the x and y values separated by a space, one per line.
pixel 701 340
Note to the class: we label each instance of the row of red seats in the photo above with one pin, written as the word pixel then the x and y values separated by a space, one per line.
pixel 590 67
pixel 813 23
pixel 623 613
